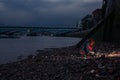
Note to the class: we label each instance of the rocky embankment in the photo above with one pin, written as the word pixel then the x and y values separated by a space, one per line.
pixel 66 64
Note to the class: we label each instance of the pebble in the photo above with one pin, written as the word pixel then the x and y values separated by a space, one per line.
pixel 65 64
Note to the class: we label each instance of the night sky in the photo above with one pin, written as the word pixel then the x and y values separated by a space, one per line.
pixel 45 12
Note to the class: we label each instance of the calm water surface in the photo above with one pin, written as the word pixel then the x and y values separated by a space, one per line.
pixel 10 49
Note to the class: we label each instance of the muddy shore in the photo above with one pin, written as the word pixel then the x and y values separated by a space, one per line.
pixel 66 64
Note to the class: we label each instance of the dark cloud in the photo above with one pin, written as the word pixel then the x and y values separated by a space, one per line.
pixel 45 12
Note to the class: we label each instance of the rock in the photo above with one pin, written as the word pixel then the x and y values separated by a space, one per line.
pixel 64 64
pixel 92 71
pixel 97 75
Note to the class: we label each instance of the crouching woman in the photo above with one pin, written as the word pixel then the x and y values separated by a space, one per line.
pixel 87 49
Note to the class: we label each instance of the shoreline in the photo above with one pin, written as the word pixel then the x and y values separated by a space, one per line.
pixel 25 46
pixel 63 64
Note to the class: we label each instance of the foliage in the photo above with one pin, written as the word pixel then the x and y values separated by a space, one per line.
pixel 86 22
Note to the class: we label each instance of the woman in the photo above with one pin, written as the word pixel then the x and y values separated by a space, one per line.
pixel 87 48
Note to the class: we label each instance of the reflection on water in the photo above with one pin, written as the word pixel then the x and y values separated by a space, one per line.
pixel 10 49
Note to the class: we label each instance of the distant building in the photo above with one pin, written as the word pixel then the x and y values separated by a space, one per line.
pixel 97 16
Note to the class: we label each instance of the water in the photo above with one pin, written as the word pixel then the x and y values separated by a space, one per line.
pixel 10 49
pixel 24 30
